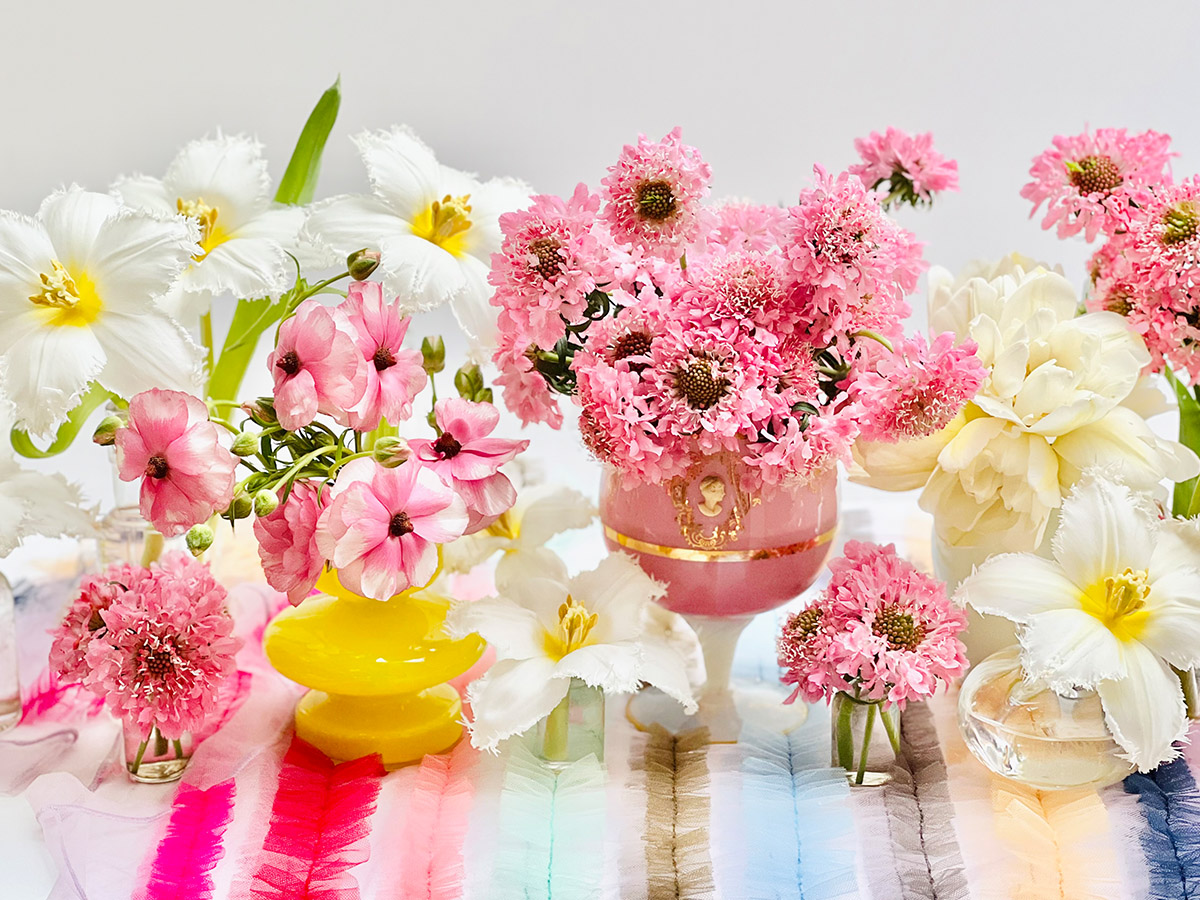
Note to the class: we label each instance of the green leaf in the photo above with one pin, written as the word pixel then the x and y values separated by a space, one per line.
pixel 239 347
pixel 1189 436
pixel 23 443
pixel 299 182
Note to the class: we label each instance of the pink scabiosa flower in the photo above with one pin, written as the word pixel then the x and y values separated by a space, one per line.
pixel 742 225
pixel 852 264
pixel 170 444
pixel 317 367
pixel 382 528
pixel 900 639
pixel 1093 182
pixel 793 448
pixel 547 265
pixel 393 375
pixel 84 621
pixel 168 648
pixel 913 169
pixel 653 194
pixel 916 390
pixel 469 461
pixel 747 286
pixel 802 650
pixel 287 543
pixel 526 393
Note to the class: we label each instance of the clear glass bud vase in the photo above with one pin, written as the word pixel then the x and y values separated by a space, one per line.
pixel 153 758
pixel 574 729
pixel 10 682
pixel 865 739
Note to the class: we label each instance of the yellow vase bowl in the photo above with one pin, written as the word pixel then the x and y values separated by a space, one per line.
pixel 378 672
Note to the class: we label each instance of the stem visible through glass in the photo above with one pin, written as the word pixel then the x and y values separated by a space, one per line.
pixel 845 733
pixel 866 744
pixel 555 744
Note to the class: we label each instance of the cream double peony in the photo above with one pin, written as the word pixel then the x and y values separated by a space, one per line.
pixel 1059 398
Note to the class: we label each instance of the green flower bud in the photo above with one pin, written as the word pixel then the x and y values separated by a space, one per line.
pixel 241 507
pixel 106 432
pixel 468 381
pixel 433 352
pixel 261 412
pixel 199 538
pixel 391 452
pixel 265 503
pixel 245 444
pixel 362 263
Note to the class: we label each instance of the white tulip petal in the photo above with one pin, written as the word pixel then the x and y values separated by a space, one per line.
pixel 137 257
pixel 73 219
pixel 227 173
pixel 471 305
pixel 517 566
pixel 147 351
pixel 1176 546
pixel 45 369
pixel 513 630
pixel 1068 647
pixel 1172 629
pixel 551 510
pixel 1018 586
pixel 1145 710
pixel 663 667
pixel 419 272
pixel 466 553
pixel 544 595
pixel 1122 442
pixel 489 201
pixel 242 267
pixel 402 168
pixel 617 589
pixel 25 253
pixel 144 192
pixel 613 667
pixel 512 697
pixel 341 225
pixel 1103 529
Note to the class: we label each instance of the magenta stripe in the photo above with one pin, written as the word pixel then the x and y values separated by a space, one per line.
pixel 184 859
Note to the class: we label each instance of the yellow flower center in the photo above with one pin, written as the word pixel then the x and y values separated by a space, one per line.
pixel 575 623
pixel 212 235
pixel 445 222
pixel 67 300
pixel 1119 602
pixel 507 526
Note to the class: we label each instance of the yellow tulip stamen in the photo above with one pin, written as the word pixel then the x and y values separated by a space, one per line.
pixel 212 235
pixel 445 222
pixel 68 300
pixel 575 623
pixel 506 526
pixel 1119 601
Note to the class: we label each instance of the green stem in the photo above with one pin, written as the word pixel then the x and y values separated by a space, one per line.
pixel 153 548
pixel 875 336
pixel 845 734
pixel 866 744
pixel 889 725
pixel 206 338
pixel 137 760
pixel 178 748
pixel 554 747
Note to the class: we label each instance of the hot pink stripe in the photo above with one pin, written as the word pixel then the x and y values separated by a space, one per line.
pixel 190 850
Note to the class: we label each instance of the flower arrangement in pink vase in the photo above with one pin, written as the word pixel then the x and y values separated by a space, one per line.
pixel 882 634
pixel 156 644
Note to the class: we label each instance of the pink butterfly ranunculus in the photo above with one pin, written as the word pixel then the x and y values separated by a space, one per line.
pixel 382 528
pixel 287 543
pixel 316 367
pixel 170 444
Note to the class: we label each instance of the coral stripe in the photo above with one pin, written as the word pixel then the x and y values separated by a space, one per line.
pixel 436 825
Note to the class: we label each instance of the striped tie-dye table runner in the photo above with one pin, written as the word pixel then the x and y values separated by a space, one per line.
pixel 261 815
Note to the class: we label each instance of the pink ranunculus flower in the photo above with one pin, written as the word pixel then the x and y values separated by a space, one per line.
pixel 170 444
pixel 393 375
pixel 469 461
pixel 381 529
pixel 287 543
pixel 316 366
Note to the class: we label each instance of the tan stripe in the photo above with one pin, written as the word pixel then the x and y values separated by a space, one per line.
pixel 693 555
pixel 678 863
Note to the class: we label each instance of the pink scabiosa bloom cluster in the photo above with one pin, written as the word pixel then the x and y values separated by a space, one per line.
pixel 83 619
pixel 750 286
pixel 1094 182
pixel 653 194
pixel 392 375
pixel 911 167
pixel 383 525
pixel 917 390
pixel 880 631
pixel 160 646
pixel 317 367
pixel 742 225
pixel 170 444
pixel 468 459
pixel 851 261
pixel 549 262
pixel 526 393
pixel 287 543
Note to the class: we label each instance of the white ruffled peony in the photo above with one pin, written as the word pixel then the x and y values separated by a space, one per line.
pixel 436 227
pixel 78 284
pixel 1115 608
pixel 222 184
pixel 1059 398
pixel 601 626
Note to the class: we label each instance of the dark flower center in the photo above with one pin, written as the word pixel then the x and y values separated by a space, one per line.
pixel 631 343
pixel 156 467
pixel 1094 174
pixel 1181 223
pixel 383 359
pixel 446 446
pixel 655 200
pixel 158 662
pixel 400 525
pixel 289 362
pixel 1118 302
pixel 804 624
pixel 549 263
pixel 900 629
pixel 96 621
pixel 695 384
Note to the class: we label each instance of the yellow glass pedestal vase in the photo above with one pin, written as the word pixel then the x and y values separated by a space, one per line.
pixel 378 672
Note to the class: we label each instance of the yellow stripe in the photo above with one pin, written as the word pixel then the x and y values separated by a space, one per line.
pixel 693 555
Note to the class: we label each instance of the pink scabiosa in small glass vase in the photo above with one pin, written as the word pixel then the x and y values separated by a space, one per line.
pixel 881 634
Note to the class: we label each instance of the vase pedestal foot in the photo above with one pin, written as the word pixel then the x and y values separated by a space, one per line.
pixel 401 728
pixel 747 704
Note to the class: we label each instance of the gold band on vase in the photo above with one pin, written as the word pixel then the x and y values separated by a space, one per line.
pixel 691 554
